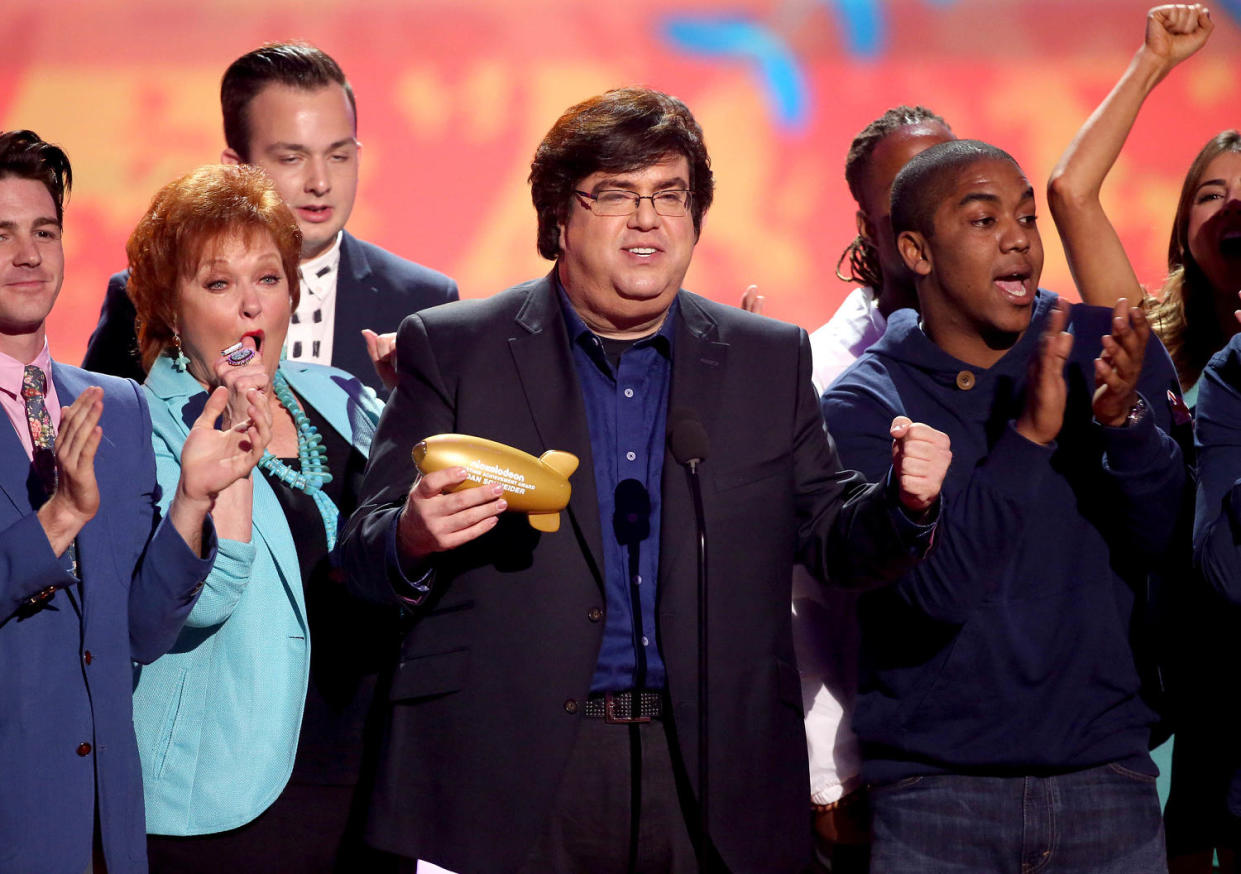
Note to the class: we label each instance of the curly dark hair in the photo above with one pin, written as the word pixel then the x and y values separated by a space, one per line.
pixel 622 130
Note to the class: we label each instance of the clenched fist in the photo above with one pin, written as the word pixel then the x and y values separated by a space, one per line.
pixel 1176 31
pixel 920 459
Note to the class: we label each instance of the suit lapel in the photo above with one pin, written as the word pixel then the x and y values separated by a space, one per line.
pixel 548 377
pixel 354 305
pixel 339 408
pixel 699 362
pixel 96 555
pixel 186 399
pixel 15 471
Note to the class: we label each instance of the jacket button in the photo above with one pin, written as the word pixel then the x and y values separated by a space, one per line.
pixel 87 657
pixel 594 614
pixel 83 749
pixel 965 380
pixel 570 706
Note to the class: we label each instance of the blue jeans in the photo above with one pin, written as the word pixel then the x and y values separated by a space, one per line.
pixel 1103 820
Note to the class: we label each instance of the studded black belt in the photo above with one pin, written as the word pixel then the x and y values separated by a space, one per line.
pixel 618 707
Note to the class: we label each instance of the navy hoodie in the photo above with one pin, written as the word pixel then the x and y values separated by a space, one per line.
pixel 1010 649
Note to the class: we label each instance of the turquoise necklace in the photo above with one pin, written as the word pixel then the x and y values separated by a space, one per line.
pixel 311 457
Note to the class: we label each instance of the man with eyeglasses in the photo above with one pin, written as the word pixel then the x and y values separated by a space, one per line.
pixel 543 716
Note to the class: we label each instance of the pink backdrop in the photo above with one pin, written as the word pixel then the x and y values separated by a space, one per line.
pixel 453 97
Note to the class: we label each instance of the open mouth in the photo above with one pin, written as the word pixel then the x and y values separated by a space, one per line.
pixel 240 353
pixel 1015 284
pixel 641 251
pixel 1230 244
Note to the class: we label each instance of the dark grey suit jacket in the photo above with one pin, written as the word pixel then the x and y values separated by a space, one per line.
pixel 375 290
pixel 486 700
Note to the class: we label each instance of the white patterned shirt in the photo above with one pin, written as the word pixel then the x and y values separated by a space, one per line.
pixel 310 328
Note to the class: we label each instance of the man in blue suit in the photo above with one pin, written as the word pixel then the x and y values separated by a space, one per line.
pixel 91 578
pixel 289 109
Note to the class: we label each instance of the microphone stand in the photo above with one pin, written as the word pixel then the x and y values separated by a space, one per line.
pixel 687 439
pixel 631 523
pixel 703 795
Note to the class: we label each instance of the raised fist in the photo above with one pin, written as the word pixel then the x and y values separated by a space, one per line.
pixel 1176 31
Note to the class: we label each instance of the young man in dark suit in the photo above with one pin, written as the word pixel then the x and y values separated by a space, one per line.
pixel 544 712
pixel 289 109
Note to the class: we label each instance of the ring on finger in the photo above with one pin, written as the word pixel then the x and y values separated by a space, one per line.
pixel 237 355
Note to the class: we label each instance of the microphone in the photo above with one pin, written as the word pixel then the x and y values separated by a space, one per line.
pixel 631 521
pixel 687 440
pixel 632 518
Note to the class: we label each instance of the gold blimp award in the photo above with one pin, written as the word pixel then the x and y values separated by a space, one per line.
pixel 538 487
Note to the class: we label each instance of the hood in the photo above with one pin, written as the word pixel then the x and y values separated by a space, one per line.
pixel 904 341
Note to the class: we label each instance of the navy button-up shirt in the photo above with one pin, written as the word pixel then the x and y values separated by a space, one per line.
pixel 626 411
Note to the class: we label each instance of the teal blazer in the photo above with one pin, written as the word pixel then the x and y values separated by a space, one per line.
pixel 218 717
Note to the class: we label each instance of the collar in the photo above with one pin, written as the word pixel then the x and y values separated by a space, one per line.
pixel 178 387
pixel 321 266
pixel 581 335
pixel 904 340
pixel 13 371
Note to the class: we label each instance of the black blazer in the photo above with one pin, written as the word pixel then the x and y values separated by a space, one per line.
pixel 487 696
pixel 375 289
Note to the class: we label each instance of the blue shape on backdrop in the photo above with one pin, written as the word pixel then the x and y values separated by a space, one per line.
pixel 865 27
pixel 862 21
pixel 1233 7
pixel 780 76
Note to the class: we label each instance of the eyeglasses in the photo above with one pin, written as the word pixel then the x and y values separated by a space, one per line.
pixel 671 202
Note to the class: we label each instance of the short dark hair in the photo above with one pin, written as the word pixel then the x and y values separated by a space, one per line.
pixel 24 155
pixel 294 64
pixel 622 130
pixel 923 183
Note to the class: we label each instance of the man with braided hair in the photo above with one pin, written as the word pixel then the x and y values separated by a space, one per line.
pixel 825 630
pixel 876 155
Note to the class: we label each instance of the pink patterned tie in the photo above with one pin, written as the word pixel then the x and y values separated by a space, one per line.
pixel 34 390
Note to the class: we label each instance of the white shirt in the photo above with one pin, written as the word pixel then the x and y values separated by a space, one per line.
pixel 826 635
pixel 852 330
pixel 312 324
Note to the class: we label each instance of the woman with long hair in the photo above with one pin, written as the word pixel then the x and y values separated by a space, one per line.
pixel 1192 315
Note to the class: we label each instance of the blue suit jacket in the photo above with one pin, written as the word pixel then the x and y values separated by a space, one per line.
pixel 375 289
pixel 218 717
pixel 66 679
